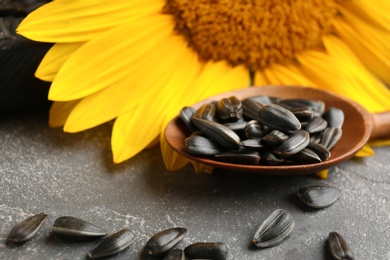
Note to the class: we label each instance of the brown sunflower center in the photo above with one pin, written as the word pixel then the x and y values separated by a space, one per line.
pixel 255 33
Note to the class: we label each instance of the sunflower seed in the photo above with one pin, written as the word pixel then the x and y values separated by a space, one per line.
pixel 305 156
pixel 240 157
pixel 276 227
pixel 76 229
pixel 335 117
pixel 275 137
pixel 252 144
pixel 339 248
pixel 251 108
pixel 304 114
pixel 295 143
pixel 320 150
pixel 230 109
pixel 221 134
pixel 318 196
pixel 175 254
pixel 253 130
pixel 26 229
pixel 279 118
pixel 207 250
pixel 197 144
pixel 315 137
pixel 162 242
pixel 112 244
pixel 330 137
pixel 206 111
pixel 237 126
pixel 185 114
pixel 265 100
pixel 316 125
pixel 269 158
pixel 317 106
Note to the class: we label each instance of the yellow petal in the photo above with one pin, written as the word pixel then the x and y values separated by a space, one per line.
pixel 202 168
pixel 173 161
pixel 54 59
pixel 261 79
pixel 144 83
pixel 60 111
pixel 339 70
pixel 153 143
pixel 133 131
pixel 217 78
pixel 379 142
pixel 365 151
pixel 79 20
pixel 323 175
pixel 106 60
pixel 376 37
pixel 365 83
pixel 374 12
pixel 371 57
pixel 286 75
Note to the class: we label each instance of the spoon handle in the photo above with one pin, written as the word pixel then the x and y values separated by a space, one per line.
pixel 381 125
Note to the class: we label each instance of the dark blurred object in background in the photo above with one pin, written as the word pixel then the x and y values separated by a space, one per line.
pixel 19 58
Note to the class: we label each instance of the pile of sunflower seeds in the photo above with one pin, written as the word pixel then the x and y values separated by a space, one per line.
pixel 272 231
pixel 263 130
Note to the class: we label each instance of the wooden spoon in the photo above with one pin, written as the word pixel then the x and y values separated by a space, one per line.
pixel 359 126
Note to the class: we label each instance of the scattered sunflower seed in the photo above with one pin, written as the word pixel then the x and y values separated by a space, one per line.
pixel 26 229
pixel 112 244
pixel 175 254
pixel 76 229
pixel 318 196
pixel 339 248
pixel 162 242
pixel 207 250
pixel 275 228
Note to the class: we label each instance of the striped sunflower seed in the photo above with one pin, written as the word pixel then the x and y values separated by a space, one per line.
pixel 112 244
pixel 162 242
pixel 318 196
pixel 275 228
pixel 221 134
pixel 197 144
pixel 230 109
pixel 339 248
pixel 279 118
pixel 175 254
pixel 207 250
pixel 206 111
pixel 26 229
pixel 73 228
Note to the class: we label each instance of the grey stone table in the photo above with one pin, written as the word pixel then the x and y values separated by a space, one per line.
pixel 46 170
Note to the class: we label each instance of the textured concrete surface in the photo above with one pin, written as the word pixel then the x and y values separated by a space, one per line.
pixel 46 170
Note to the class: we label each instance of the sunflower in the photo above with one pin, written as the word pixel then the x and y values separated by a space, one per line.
pixel 139 62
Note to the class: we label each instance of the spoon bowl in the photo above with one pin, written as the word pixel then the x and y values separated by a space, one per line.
pixel 356 129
